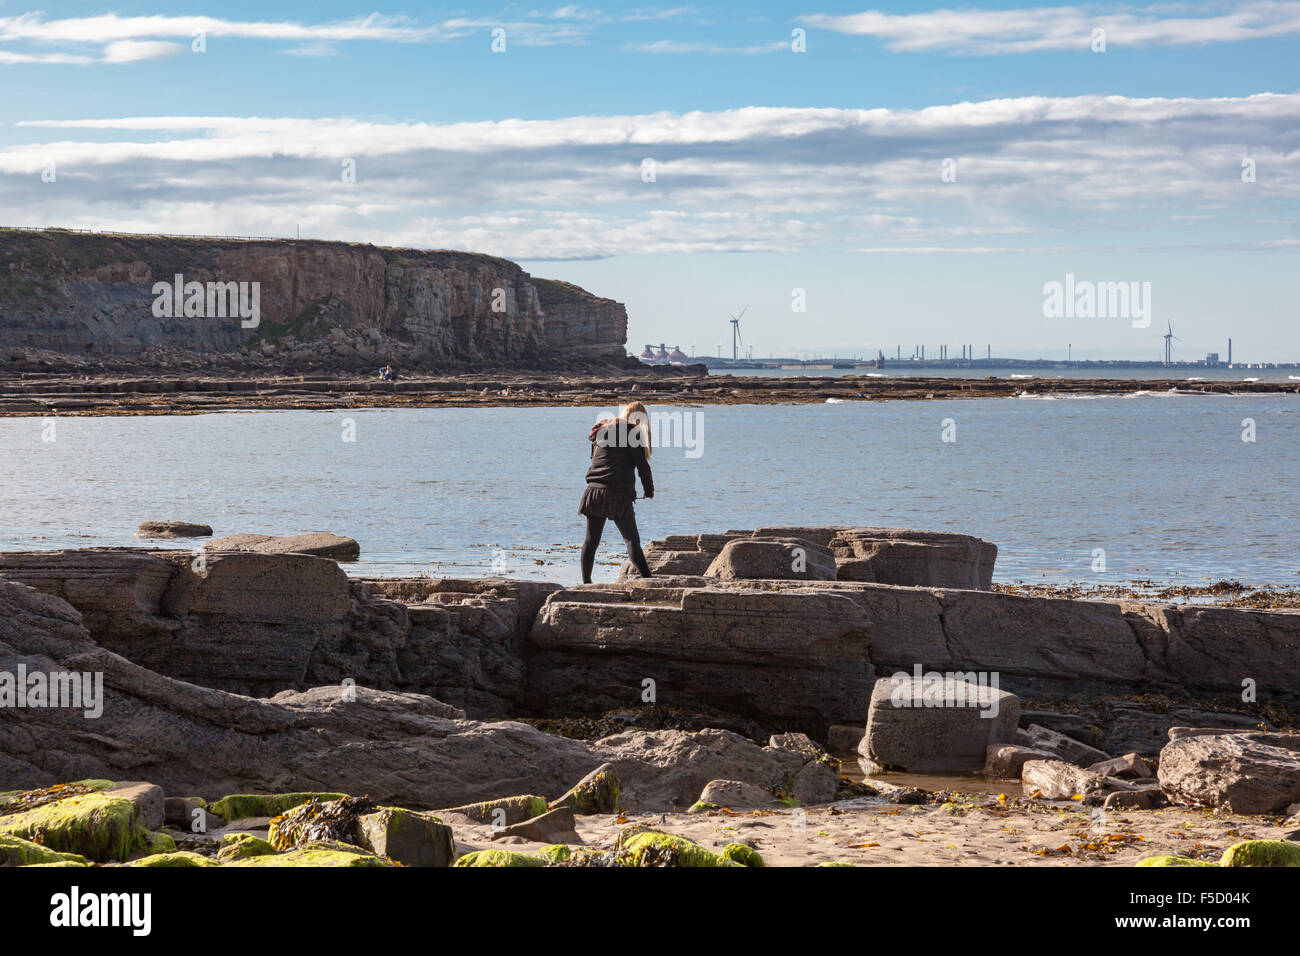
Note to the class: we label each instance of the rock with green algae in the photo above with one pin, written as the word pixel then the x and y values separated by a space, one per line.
pixel 652 848
pixel 834 863
pixel 742 854
pixel 597 792
pixel 700 806
pixel 240 806
pixel 499 858
pixel 1174 861
pixel 410 837
pixel 502 812
pixel 60 863
pixel 320 853
pixel 15 851
pixel 1262 853
pixel 159 842
pixel 178 858
pixel 94 824
pixel 631 830
pixel 238 846
pixel 555 853
pixel 17 801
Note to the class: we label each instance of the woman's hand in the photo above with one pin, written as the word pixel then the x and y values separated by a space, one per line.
pixel 649 494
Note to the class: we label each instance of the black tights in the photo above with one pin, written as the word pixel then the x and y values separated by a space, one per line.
pixel 631 537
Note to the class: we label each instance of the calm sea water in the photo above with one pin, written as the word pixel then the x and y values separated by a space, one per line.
pixel 1163 483
pixel 901 370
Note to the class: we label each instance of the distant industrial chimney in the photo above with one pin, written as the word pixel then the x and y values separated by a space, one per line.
pixel 1229 351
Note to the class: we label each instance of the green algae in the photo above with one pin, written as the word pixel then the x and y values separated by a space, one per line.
pixel 94 824
pixel 1262 853
pixel 595 793
pixel 1173 861
pixel 742 854
pixel 176 858
pixel 15 851
pixel 652 848
pixel 239 846
pixel 319 853
pixel 505 811
pixel 240 806
pixel 499 858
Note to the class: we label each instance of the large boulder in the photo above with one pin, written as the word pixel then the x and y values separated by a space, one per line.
pixel 553 826
pixel 410 838
pixel 89 822
pixel 937 723
pixel 321 544
pixel 669 768
pixel 1058 780
pixel 735 795
pixel 1243 773
pixel 772 558
pixel 1060 746
pixel 173 529
pixel 896 556
pixel 258 624
pixel 1004 761
pixel 782 654
pixel 597 792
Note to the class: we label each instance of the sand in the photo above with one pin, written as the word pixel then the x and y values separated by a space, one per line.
pixel 970 831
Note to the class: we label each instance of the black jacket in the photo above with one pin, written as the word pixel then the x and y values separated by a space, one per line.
pixel 616 459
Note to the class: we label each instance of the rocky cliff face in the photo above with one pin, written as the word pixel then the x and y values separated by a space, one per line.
pixel 94 295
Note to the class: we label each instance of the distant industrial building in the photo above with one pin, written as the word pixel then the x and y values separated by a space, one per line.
pixel 662 356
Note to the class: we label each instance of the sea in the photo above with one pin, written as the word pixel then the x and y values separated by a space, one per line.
pixel 1176 488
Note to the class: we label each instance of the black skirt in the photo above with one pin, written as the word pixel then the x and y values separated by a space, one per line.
pixel 598 502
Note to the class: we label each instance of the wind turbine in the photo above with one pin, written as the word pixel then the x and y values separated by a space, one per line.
pixel 1170 338
pixel 735 334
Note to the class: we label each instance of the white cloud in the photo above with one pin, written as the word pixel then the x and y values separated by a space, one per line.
pixel 1027 30
pixel 133 51
pixel 759 178
pixel 122 39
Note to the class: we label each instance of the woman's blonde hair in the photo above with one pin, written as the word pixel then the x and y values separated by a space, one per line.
pixel 634 413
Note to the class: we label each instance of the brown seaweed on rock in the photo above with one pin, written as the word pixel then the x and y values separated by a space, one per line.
pixel 319 820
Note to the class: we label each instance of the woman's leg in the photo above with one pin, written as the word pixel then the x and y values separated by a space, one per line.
pixel 595 525
pixel 632 538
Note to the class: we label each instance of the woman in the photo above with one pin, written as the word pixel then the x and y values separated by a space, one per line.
pixel 620 449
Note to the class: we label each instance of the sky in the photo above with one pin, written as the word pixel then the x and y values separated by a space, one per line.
pixel 855 176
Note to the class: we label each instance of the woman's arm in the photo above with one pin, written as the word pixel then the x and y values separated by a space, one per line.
pixel 642 463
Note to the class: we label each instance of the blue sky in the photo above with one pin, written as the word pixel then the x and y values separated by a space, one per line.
pixel 774 170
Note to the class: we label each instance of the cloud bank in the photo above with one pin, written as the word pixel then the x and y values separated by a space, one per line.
pixel 978 177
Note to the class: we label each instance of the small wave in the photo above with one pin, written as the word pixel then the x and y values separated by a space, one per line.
pixel 1024 376
pixel 1255 379
pixel 834 401
pixel 1150 393
pixel 877 375
pixel 1061 396
pixel 1294 378
pixel 1197 378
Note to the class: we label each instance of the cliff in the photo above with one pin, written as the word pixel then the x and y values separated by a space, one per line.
pixel 95 296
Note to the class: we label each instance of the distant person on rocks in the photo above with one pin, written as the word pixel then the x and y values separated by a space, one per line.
pixel 388 374
pixel 620 450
